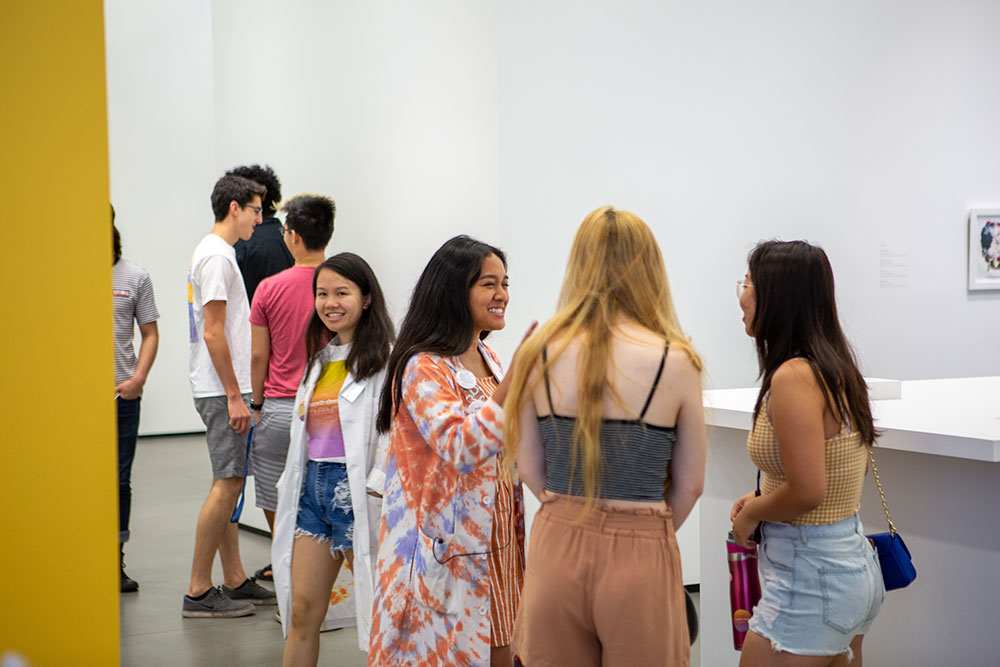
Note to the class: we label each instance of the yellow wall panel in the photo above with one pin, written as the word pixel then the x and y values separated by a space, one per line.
pixel 58 540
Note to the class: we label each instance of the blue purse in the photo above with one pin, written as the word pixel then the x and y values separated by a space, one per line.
pixel 893 556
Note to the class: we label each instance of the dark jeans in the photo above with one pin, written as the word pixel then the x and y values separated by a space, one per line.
pixel 128 433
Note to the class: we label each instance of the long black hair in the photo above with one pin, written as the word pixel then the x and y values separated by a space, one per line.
pixel 116 239
pixel 374 334
pixel 439 320
pixel 796 315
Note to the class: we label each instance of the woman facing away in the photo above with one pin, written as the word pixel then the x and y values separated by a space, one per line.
pixel 605 422
pixel 328 495
pixel 811 436
pixel 451 556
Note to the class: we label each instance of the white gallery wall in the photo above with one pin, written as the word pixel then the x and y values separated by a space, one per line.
pixel 869 128
pixel 161 136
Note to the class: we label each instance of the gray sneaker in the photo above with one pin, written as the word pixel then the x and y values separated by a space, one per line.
pixel 250 591
pixel 215 605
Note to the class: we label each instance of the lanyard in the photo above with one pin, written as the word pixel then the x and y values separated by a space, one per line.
pixel 238 510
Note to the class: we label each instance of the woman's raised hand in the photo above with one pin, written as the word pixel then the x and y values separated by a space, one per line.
pixel 500 395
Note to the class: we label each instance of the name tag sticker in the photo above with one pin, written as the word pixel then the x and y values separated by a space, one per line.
pixel 120 292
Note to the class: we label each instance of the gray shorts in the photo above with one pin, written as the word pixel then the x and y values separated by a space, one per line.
pixel 226 448
pixel 270 448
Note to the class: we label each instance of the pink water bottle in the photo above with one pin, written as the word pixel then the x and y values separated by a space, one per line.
pixel 744 588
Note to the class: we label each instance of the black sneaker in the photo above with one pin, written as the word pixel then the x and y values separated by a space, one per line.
pixel 215 605
pixel 129 585
pixel 265 573
pixel 250 591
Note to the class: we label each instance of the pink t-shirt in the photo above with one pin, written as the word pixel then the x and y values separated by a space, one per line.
pixel 284 303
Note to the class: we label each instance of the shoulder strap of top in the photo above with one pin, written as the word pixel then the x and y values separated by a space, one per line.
pixel 545 372
pixel 652 390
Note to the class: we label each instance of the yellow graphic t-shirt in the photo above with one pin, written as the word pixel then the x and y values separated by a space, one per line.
pixel 326 440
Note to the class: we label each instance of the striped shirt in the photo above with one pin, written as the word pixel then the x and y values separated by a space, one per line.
pixel 506 568
pixel 132 299
pixel 846 462
pixel 634 458
pixel 634 454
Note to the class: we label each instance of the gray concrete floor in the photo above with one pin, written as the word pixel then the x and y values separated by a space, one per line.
pixel 170 479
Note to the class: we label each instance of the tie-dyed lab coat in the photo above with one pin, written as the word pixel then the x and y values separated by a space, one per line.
pixel 432 585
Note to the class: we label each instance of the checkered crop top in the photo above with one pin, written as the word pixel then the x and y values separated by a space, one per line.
pixel 846 462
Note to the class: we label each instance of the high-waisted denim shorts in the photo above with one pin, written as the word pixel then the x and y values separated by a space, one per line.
pixel 325 511
pixel 820 587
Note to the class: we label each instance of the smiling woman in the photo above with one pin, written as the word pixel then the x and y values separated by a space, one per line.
pixel 488 297
pixel 451 556
pixel 339 303
pixel 329 496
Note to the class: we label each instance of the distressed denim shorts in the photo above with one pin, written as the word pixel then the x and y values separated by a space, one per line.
pixel 820 587
pixel 325 511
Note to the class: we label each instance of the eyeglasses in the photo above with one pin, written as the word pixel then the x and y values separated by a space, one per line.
pixel 741 286
pixel 256 209
pixel 284 229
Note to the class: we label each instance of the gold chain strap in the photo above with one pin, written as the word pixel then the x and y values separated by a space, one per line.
pixel 892 528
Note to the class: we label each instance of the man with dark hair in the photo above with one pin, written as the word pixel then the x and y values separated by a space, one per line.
pixel 281 309
pixel 132 296
pixel 219 366
pixel 264 254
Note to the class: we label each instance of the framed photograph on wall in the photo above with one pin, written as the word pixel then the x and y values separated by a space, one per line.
pixel 984 249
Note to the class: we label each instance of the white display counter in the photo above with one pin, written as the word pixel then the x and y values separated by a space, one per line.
pixel 938 460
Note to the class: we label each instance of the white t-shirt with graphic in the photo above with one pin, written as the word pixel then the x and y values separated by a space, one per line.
pixel 214 275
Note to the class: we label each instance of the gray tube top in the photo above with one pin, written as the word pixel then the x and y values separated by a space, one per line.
pixel 634 457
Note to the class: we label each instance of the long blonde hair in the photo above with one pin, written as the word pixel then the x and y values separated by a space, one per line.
pixel 615 270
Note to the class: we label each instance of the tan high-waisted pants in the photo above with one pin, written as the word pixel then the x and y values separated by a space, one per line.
pixel 604 590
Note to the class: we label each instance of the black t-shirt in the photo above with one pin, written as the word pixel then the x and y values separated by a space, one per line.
pixel 263 255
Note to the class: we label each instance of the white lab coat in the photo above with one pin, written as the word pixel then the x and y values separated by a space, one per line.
pixel 365 453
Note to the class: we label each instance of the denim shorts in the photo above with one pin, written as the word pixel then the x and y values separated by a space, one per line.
pixel 820 587
pixel 325 511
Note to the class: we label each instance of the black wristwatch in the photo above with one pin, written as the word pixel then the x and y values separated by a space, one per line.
pixel 257 406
